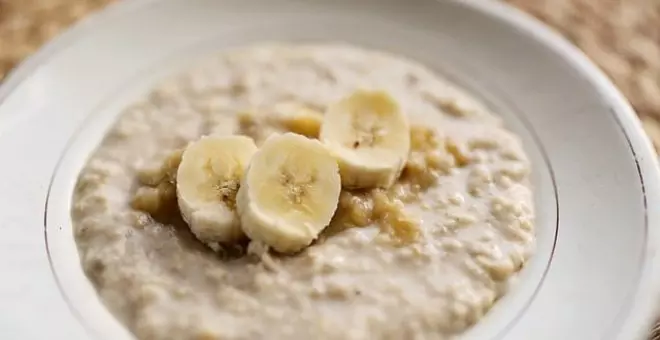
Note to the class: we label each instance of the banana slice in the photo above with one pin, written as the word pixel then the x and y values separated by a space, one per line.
pixel 289 192
pixel 208 179
pixel 370 137
pixel 300 119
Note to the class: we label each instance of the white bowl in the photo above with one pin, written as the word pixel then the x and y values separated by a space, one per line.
pixel 596 272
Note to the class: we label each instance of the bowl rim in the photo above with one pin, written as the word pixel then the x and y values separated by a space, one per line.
pixel 645 304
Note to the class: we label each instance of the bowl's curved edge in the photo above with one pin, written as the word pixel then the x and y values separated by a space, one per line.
pixel 645 307
pixel 29 65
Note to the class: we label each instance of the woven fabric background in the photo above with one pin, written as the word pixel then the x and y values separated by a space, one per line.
pixel 621 36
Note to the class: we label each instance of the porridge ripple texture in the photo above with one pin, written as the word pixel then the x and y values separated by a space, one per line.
pixel 476 221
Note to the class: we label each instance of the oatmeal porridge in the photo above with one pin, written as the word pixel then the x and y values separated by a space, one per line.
pixel 423 256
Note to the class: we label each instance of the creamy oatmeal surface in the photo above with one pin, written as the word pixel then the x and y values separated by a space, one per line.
pixel 464 195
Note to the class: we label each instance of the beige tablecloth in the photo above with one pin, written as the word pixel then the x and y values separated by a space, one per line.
pixel 621 36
